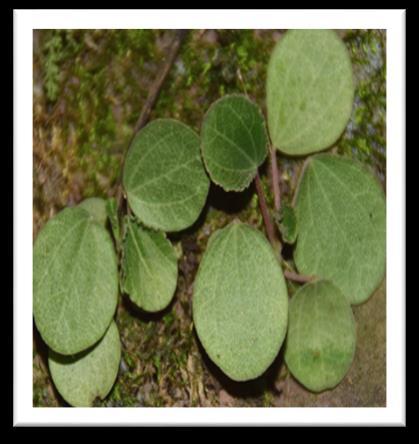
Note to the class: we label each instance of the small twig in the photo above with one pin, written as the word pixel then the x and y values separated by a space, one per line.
pixel 151 101
pixel 275 179
pixel 158 83
pixel 270 230
pixel 302 279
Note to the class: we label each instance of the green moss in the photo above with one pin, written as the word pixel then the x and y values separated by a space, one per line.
pixel 365 136
pixel 93 76
pixel 210 65
pixel 268 399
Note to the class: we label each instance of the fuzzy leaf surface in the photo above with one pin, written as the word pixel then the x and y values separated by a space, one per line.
pixel 321 336
pixel 341 215
pixel 82 378
pixel 96 207
pixel 164 176
pixel 75 281
pixel 240 302
pixel 310 91
pixel 150 267
pixel 234 142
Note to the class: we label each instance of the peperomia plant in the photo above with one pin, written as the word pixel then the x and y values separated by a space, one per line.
pixel 241 308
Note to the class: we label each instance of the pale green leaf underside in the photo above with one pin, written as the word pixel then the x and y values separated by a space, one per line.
pixel 75 281
pixel 82 378
pixel 342 225
pixel 321 336
pixel 164 176
pixel 310 91
pixel 240 302
pixel 96 208
pixel 150 267
pixel 234 142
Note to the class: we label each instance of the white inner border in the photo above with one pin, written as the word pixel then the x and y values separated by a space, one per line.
pixel 24 23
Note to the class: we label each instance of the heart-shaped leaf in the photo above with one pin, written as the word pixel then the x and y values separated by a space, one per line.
pixel 96 207
pixel 82 378
pixel 310 91
pixel 321 336
pixel 75 281
pixel 164 176
pixel 341 225
pixel 150 267
pixel 234 142
pixel 240 302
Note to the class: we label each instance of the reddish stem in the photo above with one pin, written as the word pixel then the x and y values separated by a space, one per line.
pixel 270 230
pixel 290 275
pixel 275 179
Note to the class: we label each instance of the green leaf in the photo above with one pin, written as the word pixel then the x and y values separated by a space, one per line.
pixel 310 91
pixel 164 176
pixel 341 216
pixel 112 213
pixel 150 267
pixel 321 336
pixel 240 302
pixel 286 221
pixel 75 281
pixel 96 208
pixel 234 142
pixel 82 378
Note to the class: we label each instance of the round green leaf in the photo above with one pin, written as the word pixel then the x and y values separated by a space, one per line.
pixel 82 378
pixel 240 302
pixel 341 216
pixel 164 176
pixel 150 267
pixel 234 142
pixel 321 336
pixel 96 208
pixel 310 91
pixel 75 281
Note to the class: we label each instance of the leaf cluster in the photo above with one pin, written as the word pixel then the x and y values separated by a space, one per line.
pixel 241 308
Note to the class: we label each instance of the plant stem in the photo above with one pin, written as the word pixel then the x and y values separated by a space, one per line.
pixel 270 230
pixel 275 179
pixel 151 101
pixel 290 275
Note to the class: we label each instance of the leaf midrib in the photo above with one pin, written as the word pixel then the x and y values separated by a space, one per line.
pixel 233 143
pixel 165 174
